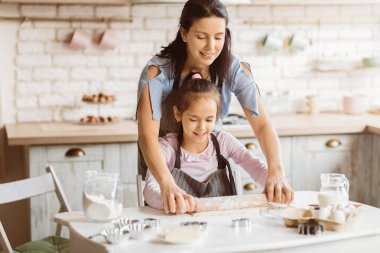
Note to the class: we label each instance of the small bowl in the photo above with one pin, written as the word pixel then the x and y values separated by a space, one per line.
pixel 371 62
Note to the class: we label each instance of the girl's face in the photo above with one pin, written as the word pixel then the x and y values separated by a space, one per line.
pixel 204 40
pixel 198 121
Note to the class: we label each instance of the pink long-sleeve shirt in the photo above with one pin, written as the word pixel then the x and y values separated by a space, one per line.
pixel 200 166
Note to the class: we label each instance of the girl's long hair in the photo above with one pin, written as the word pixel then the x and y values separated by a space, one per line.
pixel 176 50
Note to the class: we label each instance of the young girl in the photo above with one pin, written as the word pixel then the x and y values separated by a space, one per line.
pixel 203 45
pixel 196 156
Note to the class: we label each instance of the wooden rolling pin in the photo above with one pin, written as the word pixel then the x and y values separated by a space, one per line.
pixel 229 202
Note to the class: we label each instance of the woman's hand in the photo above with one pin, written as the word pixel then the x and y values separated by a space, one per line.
pixel 277 188
pixel 175 199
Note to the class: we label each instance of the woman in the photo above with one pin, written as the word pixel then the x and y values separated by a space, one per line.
pixel 202 45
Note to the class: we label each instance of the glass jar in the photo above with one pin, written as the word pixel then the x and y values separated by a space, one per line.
pixel 334 190
pixel 102 196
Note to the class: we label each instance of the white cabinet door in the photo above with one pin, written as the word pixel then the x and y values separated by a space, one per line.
pixel 248 184
pixel 71 173
pixel 313 155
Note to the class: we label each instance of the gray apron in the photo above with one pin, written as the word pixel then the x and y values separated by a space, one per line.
pixel 220 183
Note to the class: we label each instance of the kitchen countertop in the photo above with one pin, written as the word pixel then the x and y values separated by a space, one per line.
pixel 126 131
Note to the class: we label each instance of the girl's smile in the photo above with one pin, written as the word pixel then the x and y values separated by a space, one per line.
pixel 198 121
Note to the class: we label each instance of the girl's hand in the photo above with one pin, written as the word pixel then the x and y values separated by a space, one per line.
pixel 175 199
pixel 278 189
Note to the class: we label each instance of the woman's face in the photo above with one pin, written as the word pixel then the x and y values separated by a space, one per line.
pixel 204 40
pixel 198 121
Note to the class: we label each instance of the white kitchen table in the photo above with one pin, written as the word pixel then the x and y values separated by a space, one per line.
pixel 266 235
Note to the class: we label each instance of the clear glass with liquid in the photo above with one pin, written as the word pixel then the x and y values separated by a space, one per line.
pixel 334 190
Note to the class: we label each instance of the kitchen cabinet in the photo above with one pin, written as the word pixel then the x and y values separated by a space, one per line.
pixel 375 183
pixel 313 155
pixel 306 157
pixel 247 183
pixel 71 172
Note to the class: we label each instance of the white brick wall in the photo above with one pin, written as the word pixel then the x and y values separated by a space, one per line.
pixel 51 78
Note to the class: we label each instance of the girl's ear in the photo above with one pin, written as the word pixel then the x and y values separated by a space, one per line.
pixel 177 114
pixel 183 34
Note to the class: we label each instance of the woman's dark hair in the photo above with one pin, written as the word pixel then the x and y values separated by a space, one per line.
pixel 176 50
pixel 189 92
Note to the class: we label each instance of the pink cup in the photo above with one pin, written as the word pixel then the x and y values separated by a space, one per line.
pixel 79 40
pixel 355 104
pixel 108 40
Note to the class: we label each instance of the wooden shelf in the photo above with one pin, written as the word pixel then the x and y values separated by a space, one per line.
pixel 314 2
pixel 95 2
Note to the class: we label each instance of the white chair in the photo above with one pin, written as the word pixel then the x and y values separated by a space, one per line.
pixel 28 188
pixel 140 183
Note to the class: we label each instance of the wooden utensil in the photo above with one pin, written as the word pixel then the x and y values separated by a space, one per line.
pixel 229 202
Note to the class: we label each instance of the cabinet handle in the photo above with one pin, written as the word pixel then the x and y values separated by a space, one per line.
pixel 75 152
pixel 250 146
pixel 333 143
pixel 249 186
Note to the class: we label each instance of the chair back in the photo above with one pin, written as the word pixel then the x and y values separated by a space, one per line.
pixel 28 188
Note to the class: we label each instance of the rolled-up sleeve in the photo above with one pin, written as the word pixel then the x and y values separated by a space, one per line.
pixel 159 87
pixel 244 87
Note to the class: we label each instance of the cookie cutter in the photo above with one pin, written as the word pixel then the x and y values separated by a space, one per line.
pixel 242 224
pixel 112 235
pixel 152 222
pixel 122 222
pixel 137 230
pixel 202 225
pixel 311 227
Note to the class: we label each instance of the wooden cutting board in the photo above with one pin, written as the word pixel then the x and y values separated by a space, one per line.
pixel 230 202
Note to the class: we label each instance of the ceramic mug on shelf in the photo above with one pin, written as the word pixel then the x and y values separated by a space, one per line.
pixel 298 42
pixel 79 40
pixel 108 40
pixel 272 42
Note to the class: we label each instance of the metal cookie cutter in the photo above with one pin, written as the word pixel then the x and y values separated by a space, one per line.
pixel 122 222
pixel 311 227
pixel 242 224
pixel 202 225
pixel 137 230
pixel 112 235
pixel 152 222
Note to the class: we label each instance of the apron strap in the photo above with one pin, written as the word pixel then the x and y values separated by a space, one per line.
pixel 177 163
pixel 223 163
